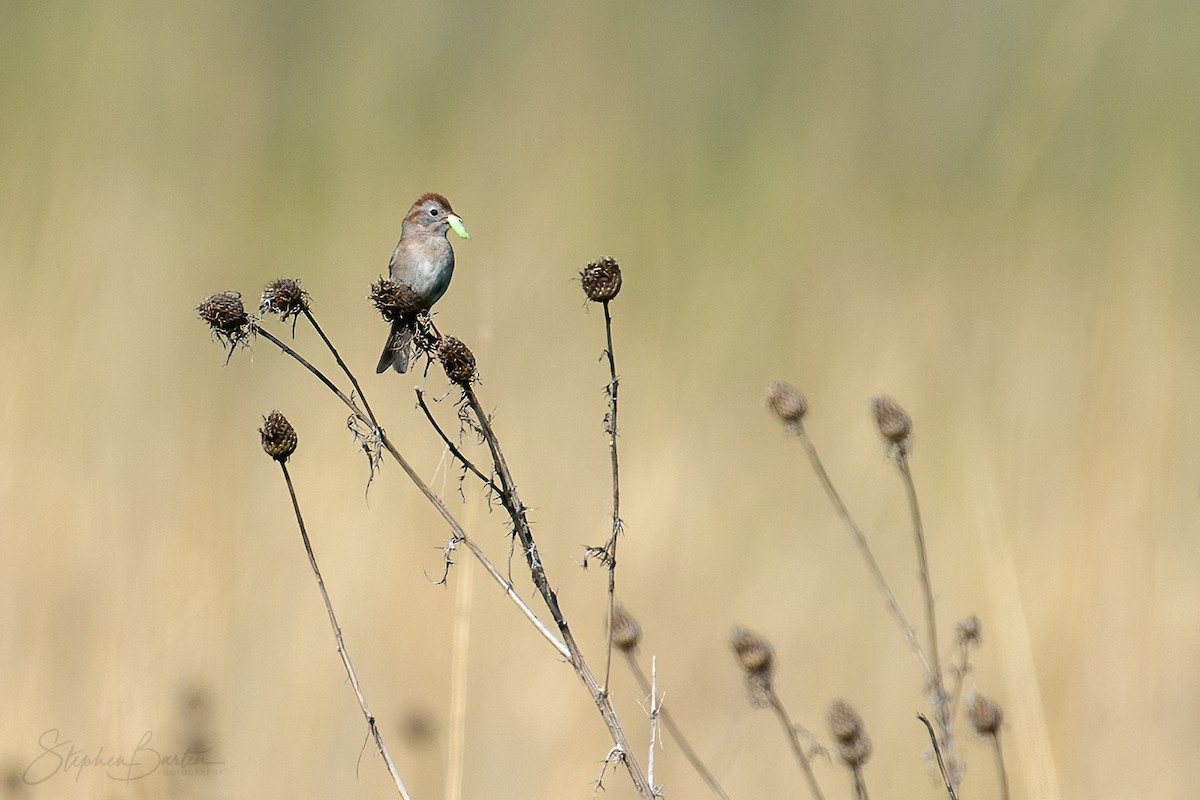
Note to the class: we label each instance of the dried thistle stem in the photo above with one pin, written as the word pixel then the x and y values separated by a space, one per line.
pixel 941 701
pixel 302 361
pixel 455 451
pixel 337 357
pixel 926 580
pixel 669 723
pixel 797 749
pixel 460 535
pixel 655 712
pixel 611 548
pixel 860 784
pixel 959 672
pixel 341 644
pixel 937 751
pixel 910 635
pixel 1000 769
pixel 567 647
pixel 516 511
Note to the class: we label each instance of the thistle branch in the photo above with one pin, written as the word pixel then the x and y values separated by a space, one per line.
pixel 341 644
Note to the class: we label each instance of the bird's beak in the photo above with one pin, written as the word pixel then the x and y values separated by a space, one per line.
pixel 456 225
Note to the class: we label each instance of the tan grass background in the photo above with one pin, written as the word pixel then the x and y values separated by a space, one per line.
pixel 987 210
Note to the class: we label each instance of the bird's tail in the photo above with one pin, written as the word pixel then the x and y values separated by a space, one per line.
pixel 397 347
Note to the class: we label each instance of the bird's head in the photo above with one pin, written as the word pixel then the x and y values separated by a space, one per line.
pixel 432 214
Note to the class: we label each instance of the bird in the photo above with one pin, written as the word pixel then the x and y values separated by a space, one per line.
pixel 424 262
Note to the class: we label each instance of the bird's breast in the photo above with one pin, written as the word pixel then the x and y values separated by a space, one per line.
pixel 425 263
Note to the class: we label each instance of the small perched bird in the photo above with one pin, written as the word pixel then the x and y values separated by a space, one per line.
pixel 424 261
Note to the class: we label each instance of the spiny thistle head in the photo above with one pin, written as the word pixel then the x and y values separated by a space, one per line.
pixel 601 279
pixel 626 632
pixel 394 300
pixel 844 722
pixel 894 424
pixel 969 631
pixel 985 714
pixel 753 652
pixel 457 359
pixel 853 744
pixel 855 752
pixel 278 437
pixel 786 402
pixel 284 297
pixel 757 659
pixel 226 318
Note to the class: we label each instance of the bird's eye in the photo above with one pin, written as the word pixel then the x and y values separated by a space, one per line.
pixel 433 212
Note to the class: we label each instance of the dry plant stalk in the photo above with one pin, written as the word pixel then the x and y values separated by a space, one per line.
pixel 791 406
pixel 602 281
pixel 626 636
pixel 895 426
pixel 941 762
pixel 516 509
pixel 757 659
pixel 987 718
pixel 279 442
pixel 232 327
pixel 853 744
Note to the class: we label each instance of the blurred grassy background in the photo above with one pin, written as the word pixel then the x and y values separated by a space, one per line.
pixel 988 211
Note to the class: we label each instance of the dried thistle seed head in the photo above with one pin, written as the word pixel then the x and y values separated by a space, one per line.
pixel 985 714
pixel 969 631
pixel 855 752
pixel 786 402
pixel 753 651
pixel 844 722
pixel 278 436
pixel 457 359
pixel 394 300
pixel 626 632
pixel 601 279
pixel 226 317
pixel 284 297
pixel 894 424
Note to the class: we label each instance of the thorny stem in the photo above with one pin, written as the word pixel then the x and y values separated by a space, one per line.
pixel 676 734
pixel 516 511
pixel 454 450
pixel 460 535
pixel 794 741
pixel 864 547
pixel 611 548
pixel 567 648
pixel 937 751
pixel 341 644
